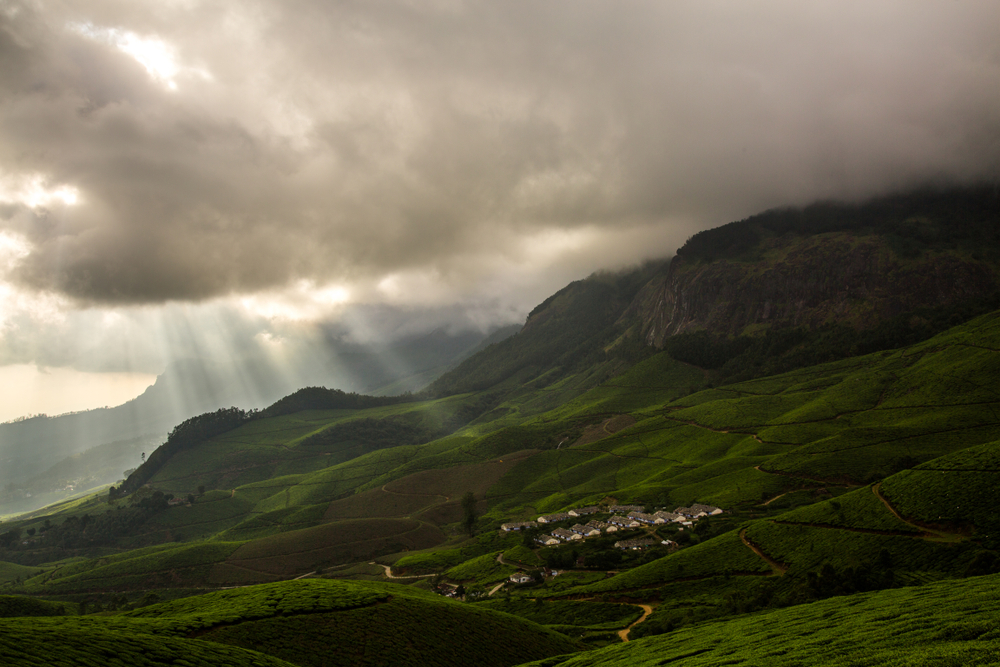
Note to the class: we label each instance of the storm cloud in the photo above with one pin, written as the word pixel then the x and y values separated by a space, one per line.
pixel 225 148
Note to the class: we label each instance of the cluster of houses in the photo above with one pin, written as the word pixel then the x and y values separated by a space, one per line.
pixel 622 517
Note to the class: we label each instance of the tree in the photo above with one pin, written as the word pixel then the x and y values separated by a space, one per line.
pixel 143 457
pixel 201 490
pixel 469 507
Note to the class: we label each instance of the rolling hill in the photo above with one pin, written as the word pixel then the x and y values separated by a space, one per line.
pixel 857 466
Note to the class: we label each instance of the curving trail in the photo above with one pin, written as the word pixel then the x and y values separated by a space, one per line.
pixel 389 574
pixel 646 611
pixel 928 533
pixel 779 568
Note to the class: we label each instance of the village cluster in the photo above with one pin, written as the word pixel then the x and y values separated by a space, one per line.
pixel 622 517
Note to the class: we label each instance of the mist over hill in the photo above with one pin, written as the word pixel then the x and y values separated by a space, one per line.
pixel 30 448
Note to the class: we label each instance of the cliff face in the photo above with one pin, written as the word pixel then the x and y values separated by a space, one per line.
pixel 808 281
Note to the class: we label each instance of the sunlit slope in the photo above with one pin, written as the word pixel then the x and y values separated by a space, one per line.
pixel 641 437
pixel 950 623
pixel 304 442
pixel 308 622
pixel 876 536
pixel 848 422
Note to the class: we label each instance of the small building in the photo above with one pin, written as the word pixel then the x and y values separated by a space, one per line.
pixel 625 509
pixel 566 535
pixel 671 517
pixel 623 522
pixel 546 540
pixel 518 525
pixel 175 501
pixel 583 511
pixel 552 518
pixel 521 578
pixel 585 531
pixel 600 526
pixel 690 512
pixel 641 543
pixel 642 517
pixel 709 510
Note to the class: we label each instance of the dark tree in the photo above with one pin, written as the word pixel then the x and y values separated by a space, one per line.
pixel 469 508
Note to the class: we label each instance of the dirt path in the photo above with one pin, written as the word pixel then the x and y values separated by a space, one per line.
pixel 928 533
pixel 646 611
pixel 388 573
pixel 776 497
pixel 779 568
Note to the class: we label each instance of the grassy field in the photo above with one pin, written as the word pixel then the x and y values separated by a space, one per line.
pixel 10 572
pixel 567 614
pixel 300 551
pixel 482 570
pixel 299 621
pixel 951 623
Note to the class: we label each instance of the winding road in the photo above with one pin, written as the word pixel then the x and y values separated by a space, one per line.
pixel 646 611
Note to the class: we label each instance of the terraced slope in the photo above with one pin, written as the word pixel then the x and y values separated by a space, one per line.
pixel 949 623
pixel 845 423
pixel 307 622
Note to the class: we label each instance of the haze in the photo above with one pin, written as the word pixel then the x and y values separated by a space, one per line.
pixel 246 179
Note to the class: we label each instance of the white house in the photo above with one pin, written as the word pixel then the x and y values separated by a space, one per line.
pixel 642 517
pixel 566 535
pixel 583 511
pixel 546 540
pixel 585 531
pixel 623 521
pixel 690 512
pixel 552 518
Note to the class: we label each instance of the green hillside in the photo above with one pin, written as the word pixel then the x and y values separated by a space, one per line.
pixel 868 475
pixel 305 623
pixel 951 623
pixel 793 439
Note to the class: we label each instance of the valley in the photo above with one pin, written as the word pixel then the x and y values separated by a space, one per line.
pixel 853 443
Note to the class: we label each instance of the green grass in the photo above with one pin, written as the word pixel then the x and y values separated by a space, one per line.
pixel 165 566
pixel 300 551
pixel 19 606
pixel 298 621
pixel 592 615
pixel 718 557
pixel 523 555
pixel 958 492
pixel 951 623
pixel 858 510
pixel 10 572
pixel 483 570
pixel 24 643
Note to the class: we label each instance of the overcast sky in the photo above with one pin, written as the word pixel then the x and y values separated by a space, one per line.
pixel 262 169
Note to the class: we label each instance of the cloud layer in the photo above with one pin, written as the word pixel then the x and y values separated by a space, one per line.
pixel 224 148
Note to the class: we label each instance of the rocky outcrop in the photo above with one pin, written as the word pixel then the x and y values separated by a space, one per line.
pixel 807 281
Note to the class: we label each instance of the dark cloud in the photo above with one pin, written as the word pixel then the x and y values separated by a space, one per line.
pixel 343 142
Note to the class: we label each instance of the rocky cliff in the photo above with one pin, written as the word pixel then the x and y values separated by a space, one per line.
pixel 854 265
